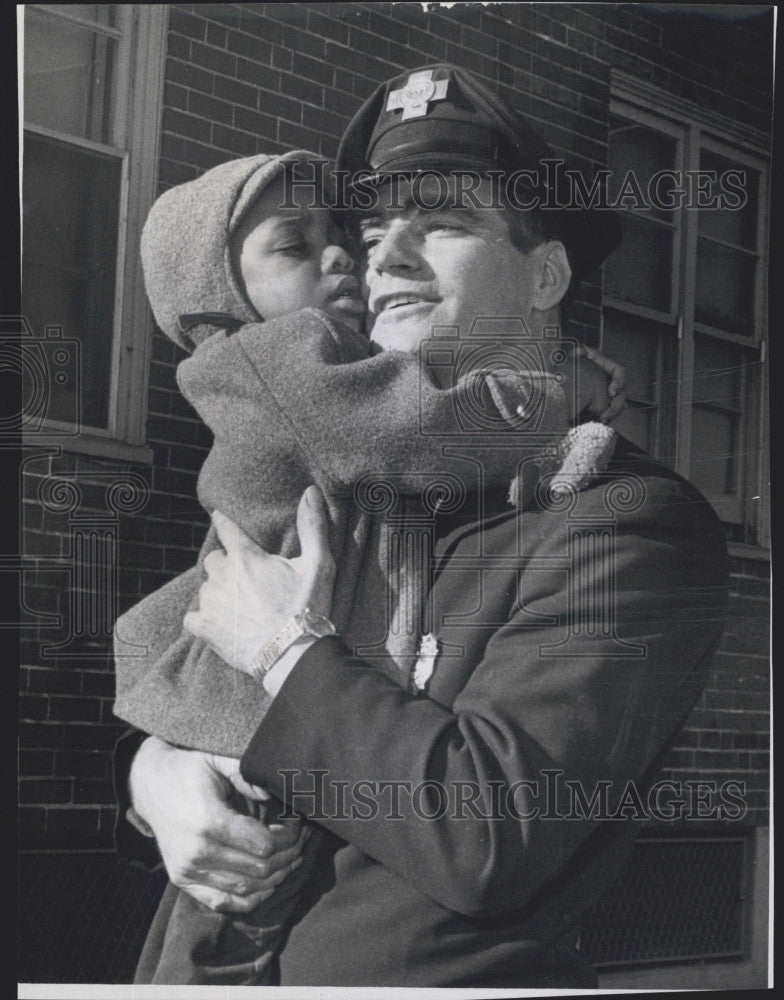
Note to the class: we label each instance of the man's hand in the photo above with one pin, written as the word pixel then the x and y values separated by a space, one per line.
pixel 225 860
pixel 250 594
pixel 602 384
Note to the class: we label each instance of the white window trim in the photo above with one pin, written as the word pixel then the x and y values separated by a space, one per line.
pixel 141 70
pixel 745 145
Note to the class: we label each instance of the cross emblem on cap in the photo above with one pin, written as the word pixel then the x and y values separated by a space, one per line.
pixel 414 96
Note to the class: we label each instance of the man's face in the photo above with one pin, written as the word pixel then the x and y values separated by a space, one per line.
pixel 440 267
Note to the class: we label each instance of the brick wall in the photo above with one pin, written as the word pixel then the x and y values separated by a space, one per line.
pixel 267 77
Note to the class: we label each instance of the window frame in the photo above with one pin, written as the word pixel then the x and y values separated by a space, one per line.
pixel 141 33
pixel 695 129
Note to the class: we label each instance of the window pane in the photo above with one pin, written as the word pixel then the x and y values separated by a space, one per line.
pixel 69 85
pixel 643 153
pixel 633 343
pixel 647 352
pixel 637 423
pixel 714 451
pixel 101 13
pixel 725 287
pixel 718 373
pixel 69 259
pixel 640 271
pixel 738 226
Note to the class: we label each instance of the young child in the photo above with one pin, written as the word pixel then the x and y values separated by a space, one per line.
pixel 265 296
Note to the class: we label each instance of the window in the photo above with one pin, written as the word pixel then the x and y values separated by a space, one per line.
pixel 92 95
pixel 684 303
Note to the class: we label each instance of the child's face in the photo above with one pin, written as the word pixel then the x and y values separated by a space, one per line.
pixel 294 257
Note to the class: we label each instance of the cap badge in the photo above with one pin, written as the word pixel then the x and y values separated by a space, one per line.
pixel 414 96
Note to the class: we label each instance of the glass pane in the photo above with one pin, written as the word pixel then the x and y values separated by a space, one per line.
pixel 714 451
pixel 637 423
pixel 738 226
pixel 642 153
pixel 647 352
pixel 633 343
pixel 725 287
pixel 69 259
pixel 718 373
pixel 69 77
pixel 641 270
pixel 100 13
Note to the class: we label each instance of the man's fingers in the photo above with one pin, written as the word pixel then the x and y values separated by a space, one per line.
pixel 249 836
pixel 313 530
pixel 214 561
pixel 615 408
pixel 617 380
pixel 223 866
pixel 231 535
pixel 226 902
pixel 192 623
pixel 229 768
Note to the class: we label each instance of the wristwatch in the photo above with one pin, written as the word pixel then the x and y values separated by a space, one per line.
pixel 305 622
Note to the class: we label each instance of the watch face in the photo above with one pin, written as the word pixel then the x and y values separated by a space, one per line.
pixel 316 624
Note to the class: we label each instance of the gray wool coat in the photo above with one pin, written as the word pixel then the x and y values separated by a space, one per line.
pixel 300 400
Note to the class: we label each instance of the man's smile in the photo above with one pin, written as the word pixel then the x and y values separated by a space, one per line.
pixel 401 303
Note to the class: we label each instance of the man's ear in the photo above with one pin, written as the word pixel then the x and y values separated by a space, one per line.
pixel 552 277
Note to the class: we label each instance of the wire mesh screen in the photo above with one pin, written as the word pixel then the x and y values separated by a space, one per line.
pixel 83 917
pixel 678 899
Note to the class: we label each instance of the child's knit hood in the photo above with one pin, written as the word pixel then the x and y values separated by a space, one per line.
pixel 185 244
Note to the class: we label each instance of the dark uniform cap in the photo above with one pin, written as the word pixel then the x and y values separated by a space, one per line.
pixel 440 117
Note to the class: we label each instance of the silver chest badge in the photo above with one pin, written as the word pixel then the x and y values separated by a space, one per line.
pixel 426 661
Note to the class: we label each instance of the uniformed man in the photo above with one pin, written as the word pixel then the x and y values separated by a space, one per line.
pixel 570 634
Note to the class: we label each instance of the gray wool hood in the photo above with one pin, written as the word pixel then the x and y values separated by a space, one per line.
pixel 185 244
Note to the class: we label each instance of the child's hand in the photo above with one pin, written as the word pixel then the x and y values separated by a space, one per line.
pixel 602 384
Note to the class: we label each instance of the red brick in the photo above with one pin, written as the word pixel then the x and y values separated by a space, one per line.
pixel 327 27
pixel 64 680
pixel 303 90
pixel 298 137
pixel 233 141
pixel 306 42
pixel 88 791
pixel 45 790
pixel 253 121
pixel 236 92
pixel 316 70
pixel 79 821
pixel 183 23
pixel 82 764
pixel 217 60
pixel 97 683
pixel 258 74
pixel 33 706
pixel 430 45
pixel 178 47
pixel 249 46
pixel 217 36
pixel 212 108
pixel 282 59
pixel 255 23
pixel 316 118
pixel 190 75
pixel 35 763
pixel 75 709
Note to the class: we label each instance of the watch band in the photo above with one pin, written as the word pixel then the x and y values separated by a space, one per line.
pixel 305 622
